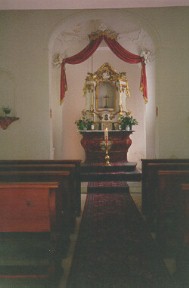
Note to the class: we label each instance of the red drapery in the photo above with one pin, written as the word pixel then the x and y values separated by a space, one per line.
pixel 117 49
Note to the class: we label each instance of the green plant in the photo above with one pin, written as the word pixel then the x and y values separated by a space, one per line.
pixel 6 110
pixel 127 120
pixel 84 123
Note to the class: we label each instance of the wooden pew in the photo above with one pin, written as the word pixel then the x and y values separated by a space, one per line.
pixel 64 203
pixel 150 168
pixel 73 191
pixel 73 165
pixel 30 209
pixel 169 212
pixel 184 214
pixel 182 259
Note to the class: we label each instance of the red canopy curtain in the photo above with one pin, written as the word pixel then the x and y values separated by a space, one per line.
pixel 76 59
pixel 116 48
pixel 131 58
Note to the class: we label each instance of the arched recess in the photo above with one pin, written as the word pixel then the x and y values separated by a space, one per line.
pixel 70 37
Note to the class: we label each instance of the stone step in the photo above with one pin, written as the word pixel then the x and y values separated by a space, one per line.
pixel 114 167
pixel 108 187
pixel 113 176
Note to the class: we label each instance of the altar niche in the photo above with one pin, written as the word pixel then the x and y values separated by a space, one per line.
pixel 105 97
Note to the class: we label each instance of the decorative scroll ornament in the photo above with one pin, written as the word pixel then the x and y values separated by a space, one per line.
pixel 108 33
pixel 57 59
pixel 88 87
pixel 146 55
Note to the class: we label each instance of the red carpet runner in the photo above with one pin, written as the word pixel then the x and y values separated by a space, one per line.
pixel 114 248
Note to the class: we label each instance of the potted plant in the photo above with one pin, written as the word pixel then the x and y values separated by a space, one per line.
pixel 127 121
pixel 84 123
pixel 6 110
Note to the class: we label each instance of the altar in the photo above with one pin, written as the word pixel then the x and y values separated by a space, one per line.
pixel 106 123
pixel 119 142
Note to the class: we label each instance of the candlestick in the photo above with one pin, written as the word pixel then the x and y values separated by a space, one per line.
pixel 105 146
pixel 106 134
pixel 107 157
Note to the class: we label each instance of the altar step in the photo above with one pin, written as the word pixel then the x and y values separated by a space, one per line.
pixel 108 187
pixel 118 171
pixel 111 176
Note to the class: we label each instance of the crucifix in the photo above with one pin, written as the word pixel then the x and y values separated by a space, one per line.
pixel 106 97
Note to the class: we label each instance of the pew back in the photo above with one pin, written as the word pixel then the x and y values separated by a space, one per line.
pixel 150 168
pixel 56 165
pixel 28 210
pixel 28 207
pixel 182 258
pixel 184 214
pixel 65 180
pixel 169 199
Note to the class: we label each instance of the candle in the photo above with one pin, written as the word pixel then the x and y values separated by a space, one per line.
pixel 106 134
pixel 120 99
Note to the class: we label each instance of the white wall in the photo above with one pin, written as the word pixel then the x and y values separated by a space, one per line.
pixel 24 40
pixel 173 82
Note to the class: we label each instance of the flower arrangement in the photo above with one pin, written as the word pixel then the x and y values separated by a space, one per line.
pixel 84 123
pixel 127 120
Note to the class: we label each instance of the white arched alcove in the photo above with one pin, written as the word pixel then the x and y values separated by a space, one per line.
pixel 69 38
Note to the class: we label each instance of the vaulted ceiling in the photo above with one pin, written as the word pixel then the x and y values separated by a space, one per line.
pixel 87 4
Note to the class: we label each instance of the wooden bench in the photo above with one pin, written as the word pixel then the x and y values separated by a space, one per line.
pixel 61 165
pixel 150 168
pixel 30 209
pixel 184 214
pixel 65 180
pixel 182 259
pixel 169 209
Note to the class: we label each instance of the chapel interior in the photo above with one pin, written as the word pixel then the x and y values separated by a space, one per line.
pixel 70 75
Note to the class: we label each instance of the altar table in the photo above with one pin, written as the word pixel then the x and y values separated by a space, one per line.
pixel 93 143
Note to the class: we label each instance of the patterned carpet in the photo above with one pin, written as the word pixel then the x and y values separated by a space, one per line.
pixel 114 247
